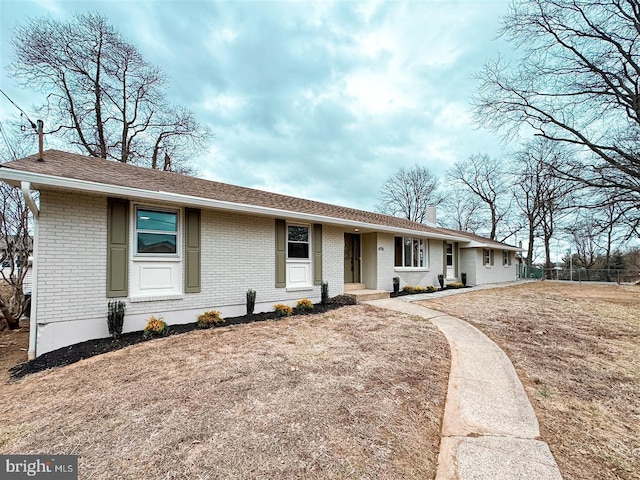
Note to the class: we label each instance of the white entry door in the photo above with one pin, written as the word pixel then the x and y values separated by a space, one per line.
pixel 450 261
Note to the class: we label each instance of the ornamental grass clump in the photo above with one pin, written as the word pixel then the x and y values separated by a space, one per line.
pixel 210 319
pixel 282 310
pixel 455 285
pixel 304 305
pixel 156 327
pixel 324 293
pixel 115 317
pixel 251 301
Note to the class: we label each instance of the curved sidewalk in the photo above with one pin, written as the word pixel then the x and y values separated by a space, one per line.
pixel 489 429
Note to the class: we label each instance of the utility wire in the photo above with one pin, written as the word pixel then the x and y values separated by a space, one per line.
pixel 33 125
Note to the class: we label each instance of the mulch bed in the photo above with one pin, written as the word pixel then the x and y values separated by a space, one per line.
pixel 75 353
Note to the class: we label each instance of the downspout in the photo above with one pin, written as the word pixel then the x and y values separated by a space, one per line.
pixel 25 187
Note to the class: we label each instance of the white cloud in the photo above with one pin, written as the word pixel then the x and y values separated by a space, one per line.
pixel 321 99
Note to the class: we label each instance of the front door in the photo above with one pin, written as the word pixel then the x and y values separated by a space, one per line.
pixel 450 261
pixel 351 258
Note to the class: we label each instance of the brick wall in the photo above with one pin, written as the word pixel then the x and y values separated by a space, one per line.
pixel 238 253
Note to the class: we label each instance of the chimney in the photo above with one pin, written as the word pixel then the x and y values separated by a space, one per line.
pixel 431 215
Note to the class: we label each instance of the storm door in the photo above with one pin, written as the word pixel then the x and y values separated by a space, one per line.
pixel 351 258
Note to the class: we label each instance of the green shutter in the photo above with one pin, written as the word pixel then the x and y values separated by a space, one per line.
pixel 456 258
pixel 192 250
pixel 117 248
pixel 281 254
pixel 317 254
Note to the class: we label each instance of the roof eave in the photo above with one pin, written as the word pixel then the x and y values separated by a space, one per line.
pixel 37 180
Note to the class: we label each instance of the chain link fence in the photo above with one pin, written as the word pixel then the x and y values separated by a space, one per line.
pixel 580 274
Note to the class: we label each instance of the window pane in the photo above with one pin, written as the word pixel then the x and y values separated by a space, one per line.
pixel 449 255
pixel 298 234
pixel 398 251
pixel 158 221
pixel 416 255
pixel 407 252
pixel 298 250
pixel 423 253
pixel 156 243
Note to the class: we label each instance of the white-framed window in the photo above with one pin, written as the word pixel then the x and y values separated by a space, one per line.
pixel 506 258
pixel 298 242
pixel 156 232
pixel 411 252
pixel 487 257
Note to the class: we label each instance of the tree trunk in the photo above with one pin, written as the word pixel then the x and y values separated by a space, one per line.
pixel 547 255
pixel 530 248
pixel 13 322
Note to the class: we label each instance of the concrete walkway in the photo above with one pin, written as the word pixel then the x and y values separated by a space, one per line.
pixel 489 429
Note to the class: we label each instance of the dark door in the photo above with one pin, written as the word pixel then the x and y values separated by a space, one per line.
pixel 351 258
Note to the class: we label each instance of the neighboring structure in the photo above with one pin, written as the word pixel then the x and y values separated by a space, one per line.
pixel 173 245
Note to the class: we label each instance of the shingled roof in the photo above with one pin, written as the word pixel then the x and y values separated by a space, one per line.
pixel 73 166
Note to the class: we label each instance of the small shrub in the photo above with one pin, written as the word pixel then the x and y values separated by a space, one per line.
pixel 441 280
pixel 324 291
pixel 304 305
pixel 156 327
pixel 251 301
pixel 396 285
pixel 455 285
pixel 210 319
pixel 115 317
pixel 463 278
pixel 431 289
pixel 411 290
pixel 282 310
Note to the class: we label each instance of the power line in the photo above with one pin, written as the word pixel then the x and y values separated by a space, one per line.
pixel 33 125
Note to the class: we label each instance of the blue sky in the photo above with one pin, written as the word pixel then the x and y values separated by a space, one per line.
pixel 322 100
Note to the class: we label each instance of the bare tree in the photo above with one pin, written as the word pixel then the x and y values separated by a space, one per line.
pixel 409 193
pixel 15 238
pixel 540 195
pixel 463 210
pixel 102 95
pixel 486 179
pixel 585 237
pixel 576 83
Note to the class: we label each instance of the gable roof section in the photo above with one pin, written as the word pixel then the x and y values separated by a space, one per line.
pixel 80 172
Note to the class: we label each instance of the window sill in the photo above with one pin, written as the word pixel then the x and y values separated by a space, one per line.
pixel 411 269
pixel 156 298
pixel 301 288
pixel 168 258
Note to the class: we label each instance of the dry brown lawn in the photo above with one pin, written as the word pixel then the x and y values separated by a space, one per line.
pixel 354 393
pixel 576 348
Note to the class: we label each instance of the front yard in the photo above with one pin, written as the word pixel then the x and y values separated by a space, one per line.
pixel 353 393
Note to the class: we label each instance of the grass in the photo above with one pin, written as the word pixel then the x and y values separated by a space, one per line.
pixel 576 348
pixel 353 393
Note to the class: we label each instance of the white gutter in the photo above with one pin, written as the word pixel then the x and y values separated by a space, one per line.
pixel 25 187
pixel 129 192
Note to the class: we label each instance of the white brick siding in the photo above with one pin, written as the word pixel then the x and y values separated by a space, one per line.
pixel 496 273
pixel 469 262
pixel 238 253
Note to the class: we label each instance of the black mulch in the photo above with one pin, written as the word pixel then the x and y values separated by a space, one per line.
pixel 74 353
